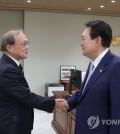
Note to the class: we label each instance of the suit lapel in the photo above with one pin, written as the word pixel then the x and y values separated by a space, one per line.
pixel 96 74
pixel 12 62
pixel 100 69
pixel 9 60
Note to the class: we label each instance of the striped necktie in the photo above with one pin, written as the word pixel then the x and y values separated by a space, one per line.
pixel 91 68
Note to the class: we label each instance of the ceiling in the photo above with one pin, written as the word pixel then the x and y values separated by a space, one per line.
pixel 70 6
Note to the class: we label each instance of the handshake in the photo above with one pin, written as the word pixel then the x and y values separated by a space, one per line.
pixel 61 105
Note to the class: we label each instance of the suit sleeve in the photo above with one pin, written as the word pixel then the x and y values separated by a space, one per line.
pixel 15 86
pixel 73 101
pixel 115 99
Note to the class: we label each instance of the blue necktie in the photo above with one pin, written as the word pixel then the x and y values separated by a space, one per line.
pixel 91 68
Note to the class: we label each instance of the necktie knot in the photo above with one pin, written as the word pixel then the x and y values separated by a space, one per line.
pixel 21 68
pixel 90 71
pixel 91 68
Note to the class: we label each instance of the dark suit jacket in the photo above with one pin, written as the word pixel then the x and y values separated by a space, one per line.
pixel 16 100
pixel 98 108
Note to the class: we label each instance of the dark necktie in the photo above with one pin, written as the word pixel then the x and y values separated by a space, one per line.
pixel 21 68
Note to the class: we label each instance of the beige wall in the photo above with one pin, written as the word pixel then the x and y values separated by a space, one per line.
pixel 55 41
pixel 10 20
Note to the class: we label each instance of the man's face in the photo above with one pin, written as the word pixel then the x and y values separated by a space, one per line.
pixel 20 49
pixel 88 45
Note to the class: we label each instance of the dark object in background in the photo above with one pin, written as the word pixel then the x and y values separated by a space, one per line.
pixel 75 80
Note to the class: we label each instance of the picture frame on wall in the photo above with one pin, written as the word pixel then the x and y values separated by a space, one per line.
pixel 116 41
pixel 65 72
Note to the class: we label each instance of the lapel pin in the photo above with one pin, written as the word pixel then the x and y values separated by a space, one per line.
pixel 100 71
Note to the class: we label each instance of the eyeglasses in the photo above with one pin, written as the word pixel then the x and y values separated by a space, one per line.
pixel 25 43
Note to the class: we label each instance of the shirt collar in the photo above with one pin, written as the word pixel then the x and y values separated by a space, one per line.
pixel 99 58
pixel 16 61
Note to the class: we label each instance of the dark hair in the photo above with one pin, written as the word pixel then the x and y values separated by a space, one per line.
pixel 9 38
pixel 102 29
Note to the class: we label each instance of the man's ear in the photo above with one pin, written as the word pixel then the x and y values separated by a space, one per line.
pixel 98 40
pixel 9 48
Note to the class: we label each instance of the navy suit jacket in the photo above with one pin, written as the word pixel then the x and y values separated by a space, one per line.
pixel 98 108
pixel 16 100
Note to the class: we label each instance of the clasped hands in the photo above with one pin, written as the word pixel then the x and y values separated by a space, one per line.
pixel 61 105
